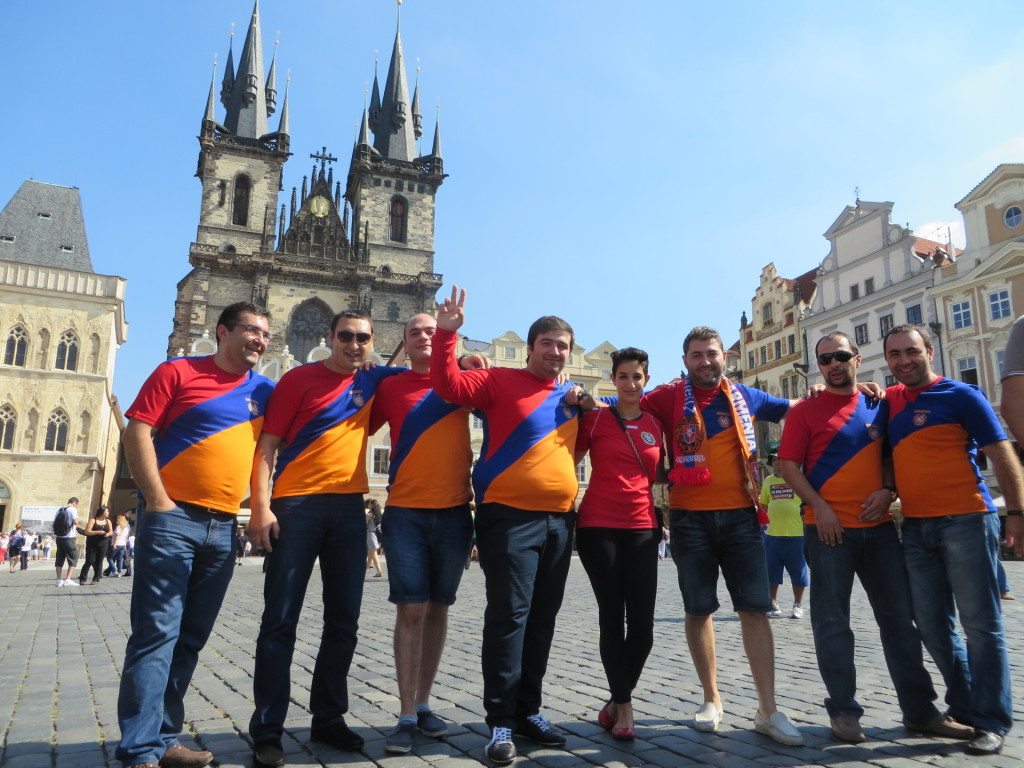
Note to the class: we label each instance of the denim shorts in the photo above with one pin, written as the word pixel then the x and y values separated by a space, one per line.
pixel 786 553
pixel 730 539
pixel 427 551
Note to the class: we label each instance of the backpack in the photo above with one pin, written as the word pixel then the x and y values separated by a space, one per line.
pixel 17 540
pixel 62 522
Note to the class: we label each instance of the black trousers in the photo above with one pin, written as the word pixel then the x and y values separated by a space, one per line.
pixel 95 553
pixel 623 568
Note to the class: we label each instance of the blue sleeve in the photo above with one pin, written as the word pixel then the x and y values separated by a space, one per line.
pixel 979 419
pixel 763 406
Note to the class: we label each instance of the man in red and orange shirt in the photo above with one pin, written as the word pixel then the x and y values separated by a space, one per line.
pixel 525 485
pixel 951 529
pixel 189 443
pixel 832 456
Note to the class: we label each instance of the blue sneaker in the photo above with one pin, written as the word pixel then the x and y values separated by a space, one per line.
pixel 400 740
pixel 430 724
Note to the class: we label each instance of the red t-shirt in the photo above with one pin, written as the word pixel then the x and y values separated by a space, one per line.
pixel 619 494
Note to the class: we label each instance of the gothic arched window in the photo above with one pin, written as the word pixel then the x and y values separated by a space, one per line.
pixel 8 425
pixel 310 322
pixel 57 432
pixel 399 214
pixel 67 352
pixel 240 209
pixel 17 347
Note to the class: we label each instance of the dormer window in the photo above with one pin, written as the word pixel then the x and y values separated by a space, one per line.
pixel 7 238
pixel 67 248
pixel 42 215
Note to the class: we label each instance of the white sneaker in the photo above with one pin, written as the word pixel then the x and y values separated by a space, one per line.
pixel 70 583
pixel 778 727
pixel 798 612
pixel 776 611
pixel 59 583
pixel 708 718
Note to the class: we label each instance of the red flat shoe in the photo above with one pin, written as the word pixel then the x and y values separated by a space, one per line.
pixel 604 718
pixel 624 734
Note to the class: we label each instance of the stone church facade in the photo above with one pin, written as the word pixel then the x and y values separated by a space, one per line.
pixel 365 242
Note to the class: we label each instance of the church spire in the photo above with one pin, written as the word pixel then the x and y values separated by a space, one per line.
pixel 417 116
pixel 395 137
pixel 374 101
pixel 228 83
pixel 247 111
pixel 283 127
pixel 436 151
pixel 211 110
pixel 271 89
pixel 364 132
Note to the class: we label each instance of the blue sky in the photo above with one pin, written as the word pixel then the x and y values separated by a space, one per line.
pixel 629 166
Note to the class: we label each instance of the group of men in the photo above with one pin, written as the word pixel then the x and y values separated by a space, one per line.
pixel 203 429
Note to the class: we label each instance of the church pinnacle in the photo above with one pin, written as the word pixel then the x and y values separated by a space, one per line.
pixel 247 107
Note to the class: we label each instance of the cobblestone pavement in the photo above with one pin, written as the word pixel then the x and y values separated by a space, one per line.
pixel 58 691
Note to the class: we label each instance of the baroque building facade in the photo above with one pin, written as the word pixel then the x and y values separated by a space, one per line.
pixel 62 324
pixel 771 342
pixel 365 242
pixel 979 296
pixel 876 275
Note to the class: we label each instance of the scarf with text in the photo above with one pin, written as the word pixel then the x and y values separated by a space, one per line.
pixel 689 462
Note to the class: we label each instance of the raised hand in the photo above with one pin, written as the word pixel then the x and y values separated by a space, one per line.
pixel 450 314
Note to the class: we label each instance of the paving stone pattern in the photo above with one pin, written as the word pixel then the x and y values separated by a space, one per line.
pixel 58 689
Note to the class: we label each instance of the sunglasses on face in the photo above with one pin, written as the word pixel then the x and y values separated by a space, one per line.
pixel 347 337
pixel 841 356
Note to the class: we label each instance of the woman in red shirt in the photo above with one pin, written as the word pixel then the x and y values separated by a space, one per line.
pixel 618 532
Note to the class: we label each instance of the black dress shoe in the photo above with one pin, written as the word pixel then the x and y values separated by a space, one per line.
pixel 985 743
pixel 338 735
pixel 268 755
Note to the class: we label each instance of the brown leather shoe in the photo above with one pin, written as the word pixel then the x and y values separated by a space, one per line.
pixel 180 756
pixel 847 728
pixel 942 725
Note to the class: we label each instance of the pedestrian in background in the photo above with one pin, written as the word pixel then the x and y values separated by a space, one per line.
pixel 98 534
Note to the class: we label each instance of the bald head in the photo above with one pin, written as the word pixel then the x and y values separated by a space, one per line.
pixel 419 332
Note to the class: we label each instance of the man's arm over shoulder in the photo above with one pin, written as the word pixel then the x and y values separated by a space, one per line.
pixel 763 406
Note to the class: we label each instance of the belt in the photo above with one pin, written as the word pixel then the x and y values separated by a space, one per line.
pixel 201 508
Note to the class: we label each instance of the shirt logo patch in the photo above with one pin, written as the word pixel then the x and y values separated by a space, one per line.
pixel 357 398
pixel 920 417
pixel 874 432
pixel 723 420
pixel 254 407
pixel 648 438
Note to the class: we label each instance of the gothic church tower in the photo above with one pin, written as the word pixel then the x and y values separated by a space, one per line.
pixel 368 246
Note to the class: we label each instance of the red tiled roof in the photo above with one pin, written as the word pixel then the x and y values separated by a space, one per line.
pixel 926 249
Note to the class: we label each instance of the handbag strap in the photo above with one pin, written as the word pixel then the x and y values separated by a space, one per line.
pixel 622 423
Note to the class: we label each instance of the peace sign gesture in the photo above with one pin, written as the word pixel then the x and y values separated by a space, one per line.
pixel 450 315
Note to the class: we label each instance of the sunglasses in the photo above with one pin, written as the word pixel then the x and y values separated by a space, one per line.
pixel 347 337
pixel 255 330
pixel 842 356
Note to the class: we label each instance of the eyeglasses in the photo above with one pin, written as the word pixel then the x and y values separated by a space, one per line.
pixel 347 337
pixel 841 356
pixel 255 330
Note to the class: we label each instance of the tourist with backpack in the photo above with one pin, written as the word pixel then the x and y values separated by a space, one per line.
pixel 64 524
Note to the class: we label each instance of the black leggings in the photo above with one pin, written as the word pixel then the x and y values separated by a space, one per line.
pixel 95 553
pixel 623 568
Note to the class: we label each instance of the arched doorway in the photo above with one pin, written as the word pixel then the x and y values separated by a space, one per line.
pixel 5 507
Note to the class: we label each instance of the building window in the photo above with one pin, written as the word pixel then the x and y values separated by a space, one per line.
pixel 240 202
pixel 509 352
pixel 67 352
pixel 57 432
pixel 869 286
pixel 890 380
pixel 393 311
pixel 785 388
pixel 8 426
pixel 791 344
pixel 854 292
pixel 967 370
pixel 478 423
pixel 398 218
pixel 381 460
pixel 750 360
pixel 999 304
pixel 1001 361
pixel 860 334
pixel 778 348
pixel 962 314
pixel 766 314
pixel 885 324
pixel 1012 216
pixel 581 471
pixel 914 314
pixel 17 347
pixel 764 354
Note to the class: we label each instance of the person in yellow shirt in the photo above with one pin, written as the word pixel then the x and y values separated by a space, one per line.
pixel 784 540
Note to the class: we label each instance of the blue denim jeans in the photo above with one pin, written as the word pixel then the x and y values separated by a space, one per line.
pixel 426 551
pixel 183 570
pixel 952 566
pixel 525 558
pixel 730 539
pixel 875 556
pixel 331 527
pixel 117 560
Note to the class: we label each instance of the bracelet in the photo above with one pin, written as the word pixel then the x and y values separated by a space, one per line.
pixel 1015 513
